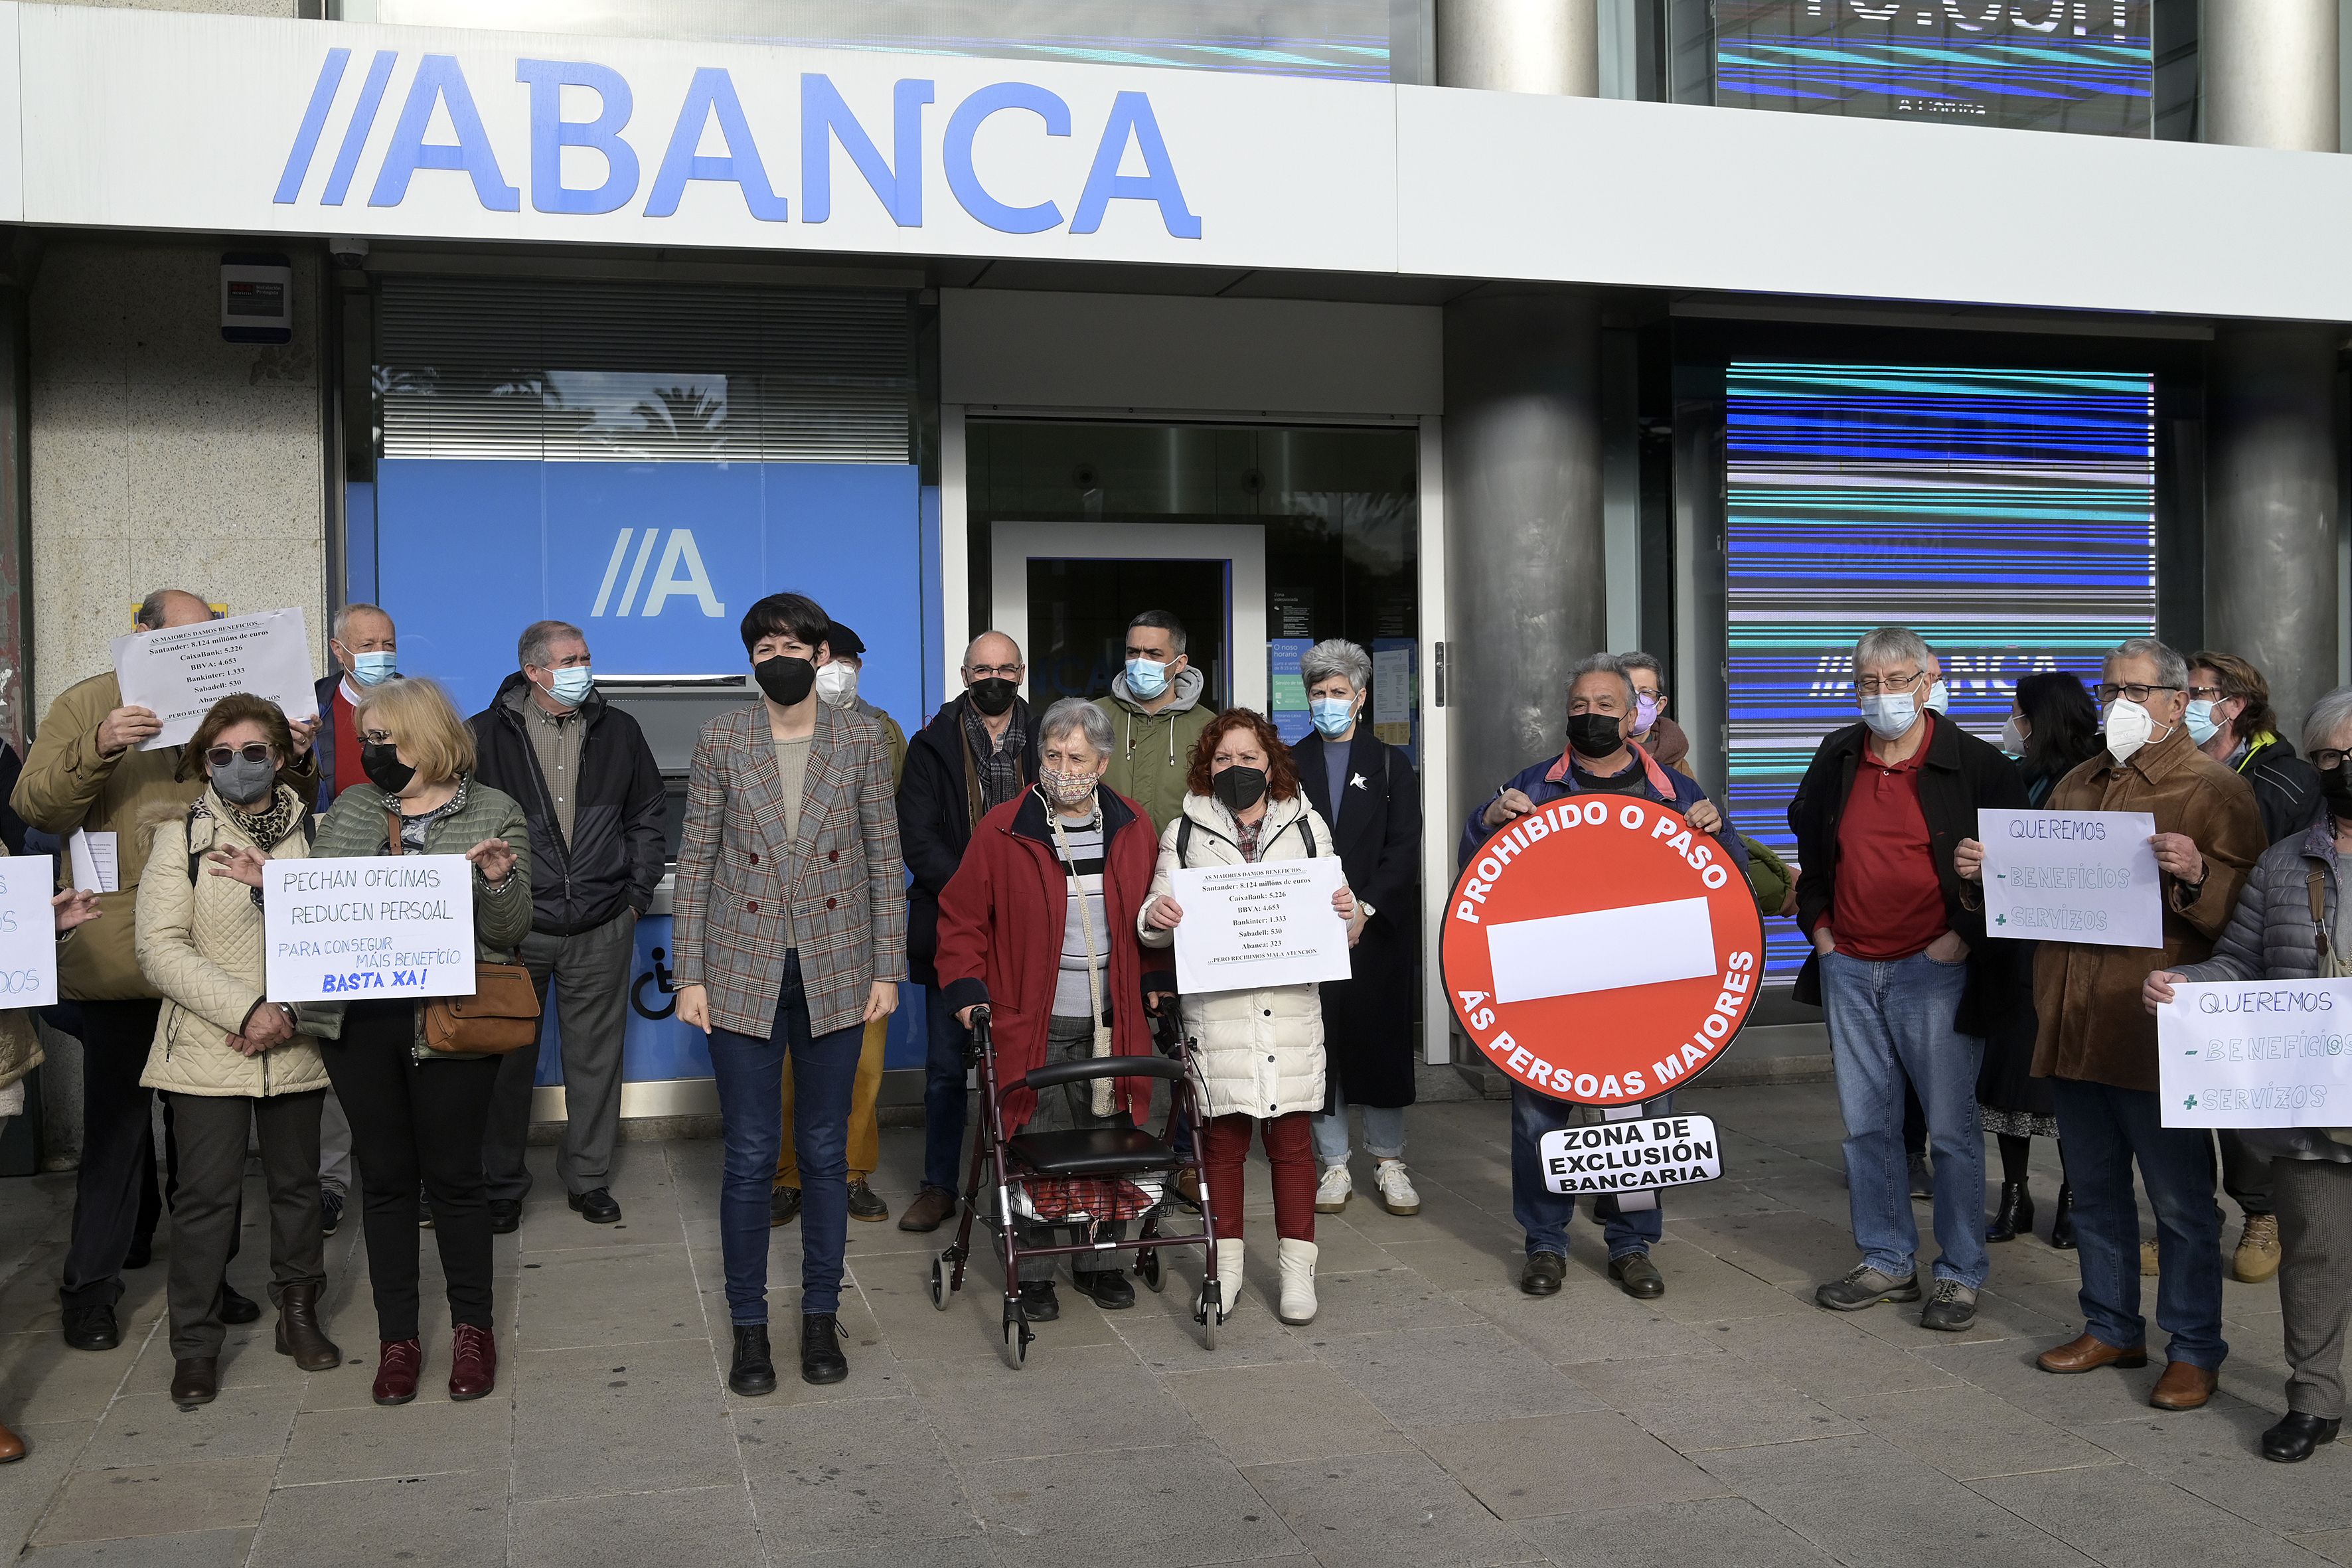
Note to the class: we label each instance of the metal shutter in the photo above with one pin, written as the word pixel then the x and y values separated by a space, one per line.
pixel 603 371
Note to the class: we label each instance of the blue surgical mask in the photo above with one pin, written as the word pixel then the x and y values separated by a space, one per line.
pixel 1890 714
pixel 2202 727
pixel 1939 699
pixel 570 685
pixel 1145 678
pixel 1332 715
pixel 373 668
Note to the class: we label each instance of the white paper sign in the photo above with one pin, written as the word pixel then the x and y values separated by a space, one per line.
pixel 28 931
pixel 1268 924
pixel 180 673
pixel 1631 1155
pixel 368 929
pixel 2088 877
pixel 2256 1054
pixel 96 867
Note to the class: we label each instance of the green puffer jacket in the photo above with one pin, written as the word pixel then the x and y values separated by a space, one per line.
pixel 1152 755
pixel 355 828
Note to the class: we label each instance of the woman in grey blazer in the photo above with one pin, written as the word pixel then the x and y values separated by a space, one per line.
pixel 791 935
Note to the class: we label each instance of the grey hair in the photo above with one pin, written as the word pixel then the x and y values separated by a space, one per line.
pixel 1078 713
pixel 1604 664
pixel 992 632
pixel 2171 669
pixel 1888 645
pixel 2328 718
pixel 340 630
pixel 1335 656
pixel 539 636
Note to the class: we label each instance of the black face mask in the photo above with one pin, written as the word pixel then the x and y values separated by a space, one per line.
pixel 1594 734
pixel 787 681
pixel 1239 788
pixel 993 695
pixel 383 767
pixel 2336 788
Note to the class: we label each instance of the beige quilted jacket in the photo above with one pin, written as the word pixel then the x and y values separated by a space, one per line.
pixel 200 945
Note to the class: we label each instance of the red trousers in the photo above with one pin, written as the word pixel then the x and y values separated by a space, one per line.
pixel 1224 1144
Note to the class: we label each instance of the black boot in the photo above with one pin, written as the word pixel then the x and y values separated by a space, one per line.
pixel 2015 1215
pixel 2061 1226
pixel 754 1371
pixel 821 1357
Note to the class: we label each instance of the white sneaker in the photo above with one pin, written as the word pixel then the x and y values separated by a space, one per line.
pixel 1297 1261
pixel 1395 1188
pixel 1331 1191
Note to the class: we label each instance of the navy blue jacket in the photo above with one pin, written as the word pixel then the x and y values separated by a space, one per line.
pixel 1552 779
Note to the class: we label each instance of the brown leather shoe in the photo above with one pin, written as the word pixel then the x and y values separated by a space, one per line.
pixel 2183 1386
pixel 2088 1355
pixel 931 1208
pixel 195 1380
pixel 395 1371
pixel 473 1361
pixel 12 1447
pixel 298 1333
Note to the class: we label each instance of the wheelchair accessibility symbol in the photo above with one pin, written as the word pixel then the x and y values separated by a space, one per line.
pixel 659 977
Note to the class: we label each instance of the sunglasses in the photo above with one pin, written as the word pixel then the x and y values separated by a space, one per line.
pixel 252 751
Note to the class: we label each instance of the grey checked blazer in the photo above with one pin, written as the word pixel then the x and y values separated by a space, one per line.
pixel 846 880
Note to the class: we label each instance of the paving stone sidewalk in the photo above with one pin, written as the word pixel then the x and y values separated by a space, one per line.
pixel 1432 1416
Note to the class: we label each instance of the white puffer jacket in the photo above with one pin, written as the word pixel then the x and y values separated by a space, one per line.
pixel 1260 1053
pixel 200 944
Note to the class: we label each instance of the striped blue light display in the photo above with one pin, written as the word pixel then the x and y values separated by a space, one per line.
pixel 2008 516
pixel 2085 65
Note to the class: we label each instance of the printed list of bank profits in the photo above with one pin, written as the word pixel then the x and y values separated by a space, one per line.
pixel 364 930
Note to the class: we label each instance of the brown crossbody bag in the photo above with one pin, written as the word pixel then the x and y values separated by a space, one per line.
pixel 501 1015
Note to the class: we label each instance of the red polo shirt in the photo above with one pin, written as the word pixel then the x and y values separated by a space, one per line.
pixel 1885 902
pixel 347 741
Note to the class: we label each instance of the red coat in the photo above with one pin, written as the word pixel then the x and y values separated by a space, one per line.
pixel 1002 917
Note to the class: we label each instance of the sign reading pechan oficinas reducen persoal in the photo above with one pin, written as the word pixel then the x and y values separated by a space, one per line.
pixel 1601 951
pixel 368 929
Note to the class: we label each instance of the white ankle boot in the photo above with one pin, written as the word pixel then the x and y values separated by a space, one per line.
pixel 1229 1272
pixel 1296 1260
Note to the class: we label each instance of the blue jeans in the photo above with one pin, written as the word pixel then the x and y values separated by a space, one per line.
pixel 943 1095
pixel 751 1074
pixel 1545 1214
pixel 1891 1020
pixel 2104 1128
pixel 1383 1132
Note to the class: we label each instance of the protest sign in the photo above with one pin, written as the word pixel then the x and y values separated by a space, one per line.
pixel 28 931
pixel 1637 1155
pixel 2087 876
pixel 2257 1053
pixel 1266 924
pixel 368 929
pixel 180 673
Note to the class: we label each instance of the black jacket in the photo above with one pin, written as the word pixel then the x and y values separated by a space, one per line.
pixel 2286 789
pixel 619 845
pixel 936 820
pixel 1959 775
pixel 1368 1033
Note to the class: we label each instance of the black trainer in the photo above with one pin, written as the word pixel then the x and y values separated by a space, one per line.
pixel 821 1357
pixel 1111 1288
pixel 754 1371
pixel 1038 1302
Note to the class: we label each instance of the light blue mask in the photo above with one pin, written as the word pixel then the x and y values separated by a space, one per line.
pixel 1332 715
pixel 570 685
pixel 1145 678
pixel 373 668
pixel 2202 727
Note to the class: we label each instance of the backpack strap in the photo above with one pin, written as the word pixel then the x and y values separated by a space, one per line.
pixel 1307 832
pixel 2314 886
pixel 1184 841
pixel 196 855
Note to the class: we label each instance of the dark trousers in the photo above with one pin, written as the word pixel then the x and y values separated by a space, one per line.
pixel 114 1192
pixel 2245 1175
pixel 1065 1108
pixel 415 1122
pixel 1544 1215
pixel 588 973
pixel 2105 1129
pixel 751 1074
pixel 943 1095
pixel 211 1182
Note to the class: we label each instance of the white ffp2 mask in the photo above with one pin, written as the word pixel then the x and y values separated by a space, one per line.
pixel 2128 728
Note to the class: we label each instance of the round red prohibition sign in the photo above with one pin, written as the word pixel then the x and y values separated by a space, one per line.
pixel 1601 950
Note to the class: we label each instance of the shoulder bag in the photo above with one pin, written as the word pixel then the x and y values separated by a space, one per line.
pixel 501 1015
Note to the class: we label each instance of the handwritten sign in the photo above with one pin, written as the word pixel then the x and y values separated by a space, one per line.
pixel 368 929
pixel 2256 1054
pixel 28 932
pixel 2087 876
pixel 180 673
pixel 1269 924
pixel 1635 1155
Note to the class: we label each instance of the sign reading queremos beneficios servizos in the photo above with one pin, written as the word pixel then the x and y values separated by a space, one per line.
pixel 1601 950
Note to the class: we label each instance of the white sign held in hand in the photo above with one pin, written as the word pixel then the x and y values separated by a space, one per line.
pixel 1267 924
pixel 2256 1053
pixel 2088 877
pixel 28 931
pixel 369 930
pixel 179 674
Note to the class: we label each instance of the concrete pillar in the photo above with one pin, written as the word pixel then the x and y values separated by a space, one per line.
pixel 2271 509
pixel 2270 80
pixel 1521 46
pixel 1525 556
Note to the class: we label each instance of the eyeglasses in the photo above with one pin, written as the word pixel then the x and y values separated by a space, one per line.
pixel 1872 685
pixel 2108 692
pixel 2205 694
pixel 2328 757
pixel 994 671
pixel 252 751
pixel 376 737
